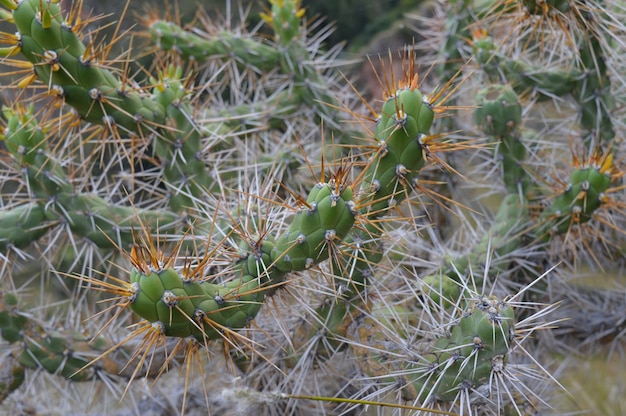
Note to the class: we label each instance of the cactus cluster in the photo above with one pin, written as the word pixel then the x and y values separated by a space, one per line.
pixel 223 226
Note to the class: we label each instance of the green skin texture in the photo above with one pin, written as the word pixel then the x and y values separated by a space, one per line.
pixel 49 350
pixel 87 215
pixel 100 97
pixel 458 362
pixel 290 53
pixel 205 310
pixel 183 307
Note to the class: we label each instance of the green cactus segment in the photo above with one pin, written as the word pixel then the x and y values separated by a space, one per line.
pixel 59 353
pixel 512 154
pixel 498 111
pixel 191 47
pixel 284 18
pixel 189 308
pixel 62 62
pixel 547 8
pixel 26 141
pixel 502 238
pixel 22 225
pixel 11 375
pixel 109 225
pixel 180 147
pixel 593 92
pixel 576 205
pixel 184 307
pixel 442 290
pixel 522 76
pixel 315 230
pixel 498 114
pixel 465 359
pixel 86 215
pixel 402 127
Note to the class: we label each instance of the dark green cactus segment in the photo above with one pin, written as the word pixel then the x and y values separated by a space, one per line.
pixel 256 262
pixel 191 47
pixel 40 348
pixel 498 110
pixel 11 375
pixel 53 353
pixel 576 205
pixel 328 217
pixel 27 143
pixel 512 154
pixel 12 322
pixel 548 83
pixel 548 7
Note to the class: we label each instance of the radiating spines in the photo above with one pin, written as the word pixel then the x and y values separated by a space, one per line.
pixel 402 130
pixel 586 191
pixel 475 348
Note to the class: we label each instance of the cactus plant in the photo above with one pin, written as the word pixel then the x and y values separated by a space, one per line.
pixel 221 224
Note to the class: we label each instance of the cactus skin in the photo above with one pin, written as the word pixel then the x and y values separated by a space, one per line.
pixel 461 361
pixel 35 347
pixel 85 215
pixel 183 307
pixel 498 111
pixel 65 64
pixel 342 220
pixel 191 47
pixel 585 194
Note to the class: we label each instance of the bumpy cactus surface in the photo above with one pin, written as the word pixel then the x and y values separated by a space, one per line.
pixel 244 227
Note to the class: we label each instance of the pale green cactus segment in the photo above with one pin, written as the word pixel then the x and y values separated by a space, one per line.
pixel 442 290
pixel 185 307
pixel 192 47
pixel 285 17
pixel 498 111
pixel 327 218
pixel 40 348
pixel 22 225
pixel 477 345
pixel 576 205
pixel 108 225
pixel 502 238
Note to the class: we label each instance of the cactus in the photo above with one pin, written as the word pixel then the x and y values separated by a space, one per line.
pixel 291 274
